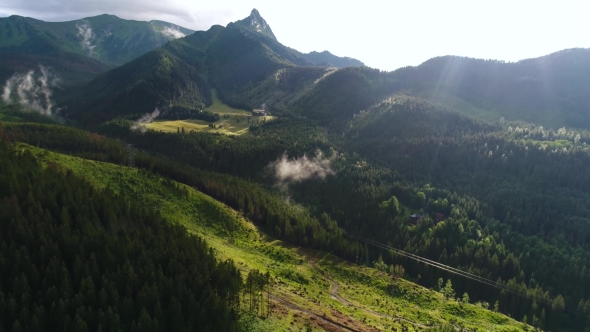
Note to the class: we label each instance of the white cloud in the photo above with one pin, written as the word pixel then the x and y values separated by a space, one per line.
pixel 287 171
pixel 145 119
pixel 32 90
pixel 172 33
pixel 85 33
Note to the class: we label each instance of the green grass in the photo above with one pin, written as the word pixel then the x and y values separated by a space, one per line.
pixel 233 121
pixel 301 276
pixel 449 100
pixel 221 108
pixel 9 118
pixel 229 126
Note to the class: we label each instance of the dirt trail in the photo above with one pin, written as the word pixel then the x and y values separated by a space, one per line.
pixel 294 306
pixel 334 293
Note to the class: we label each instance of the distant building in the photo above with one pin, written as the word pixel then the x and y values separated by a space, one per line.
pixel 415 218
pixel 259 112
pixel 439 216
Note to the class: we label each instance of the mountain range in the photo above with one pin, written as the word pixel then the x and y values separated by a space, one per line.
pixel 237 60
pixel 106 38
pixel 460 185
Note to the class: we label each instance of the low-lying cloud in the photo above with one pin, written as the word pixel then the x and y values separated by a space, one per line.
pixel 139 125
pixel 32 90
pixel 87 36
pixel 174 32
pixel 288 171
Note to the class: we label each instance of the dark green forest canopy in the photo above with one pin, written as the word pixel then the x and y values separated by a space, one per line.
pixel 73 258
pixel 388 151
pixel 502 199
pixel 550 90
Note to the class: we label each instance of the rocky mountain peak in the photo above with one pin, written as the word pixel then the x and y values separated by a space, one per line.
pixel 257 23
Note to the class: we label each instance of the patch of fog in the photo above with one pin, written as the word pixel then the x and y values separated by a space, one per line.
pixel 278 74
pixel 288 171
pixel 139 125
pixel 173 32
pixel 32 90
pixel 87 37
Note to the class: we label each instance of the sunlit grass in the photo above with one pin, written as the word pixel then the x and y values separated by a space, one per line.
pixel 302 276
pixel 222 108
pixel 232 125
pixel 233 121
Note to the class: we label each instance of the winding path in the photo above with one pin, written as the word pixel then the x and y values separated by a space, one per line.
pixel 334 293
pixel 294 306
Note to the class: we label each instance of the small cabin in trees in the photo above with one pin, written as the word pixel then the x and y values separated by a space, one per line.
pixel 259 112
pixel 439 216
pixel 415 218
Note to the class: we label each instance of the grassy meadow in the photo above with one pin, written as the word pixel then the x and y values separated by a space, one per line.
pixel 311 289
pixel 233 121
pixel 9 118
pixel 222 108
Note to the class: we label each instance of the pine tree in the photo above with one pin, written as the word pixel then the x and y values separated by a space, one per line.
pixel 448 290
pixel 465 297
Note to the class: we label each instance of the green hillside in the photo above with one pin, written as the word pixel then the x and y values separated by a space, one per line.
pixel 106 38
pixel 331 60
pixel 433 161
pixel 479 168
pixel 512 195
pixel 234 60
pixel 74 257
pixel 548 91
pixel 72 69
pixel 180 74
pixel 77 51
pixel 156 80
pixel 304 282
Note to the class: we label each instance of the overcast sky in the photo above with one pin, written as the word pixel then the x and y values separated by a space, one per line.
pixel 383 34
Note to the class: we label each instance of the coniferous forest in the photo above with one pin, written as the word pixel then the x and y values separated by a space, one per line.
pixel 485 174
pixel 76 259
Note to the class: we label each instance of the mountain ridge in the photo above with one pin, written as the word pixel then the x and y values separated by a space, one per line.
pixel 232 59
pixel 256 23
pixel 94 36
pixel 78 50
pixel 549 90
pixel 433 160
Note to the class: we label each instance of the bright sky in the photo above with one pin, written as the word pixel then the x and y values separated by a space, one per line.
pixel 383 34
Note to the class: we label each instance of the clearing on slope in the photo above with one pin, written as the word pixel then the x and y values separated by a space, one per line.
pixel 308 286
pixel 222 108
pixel 233 121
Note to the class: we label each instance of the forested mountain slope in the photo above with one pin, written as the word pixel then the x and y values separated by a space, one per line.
pixel 487 180
pixel 106 38
pixel 76 51
pixel 428 159
pixel 234 60
pixel 551 90
pixel 327 58
pixel 511 195
pixel 306 280
pixel 78 258
pixel 156 80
